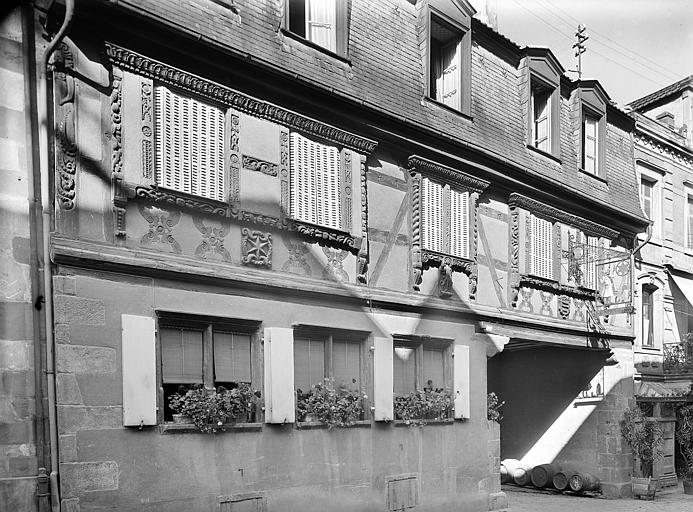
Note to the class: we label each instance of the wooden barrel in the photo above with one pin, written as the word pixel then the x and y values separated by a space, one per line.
pixel 582 481
pixel 504 475
pixel 561 478
pixel 542 475
pixel 522 475
pixel 507 468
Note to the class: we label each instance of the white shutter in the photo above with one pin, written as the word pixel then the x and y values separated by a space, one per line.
pixel 189 145
pixel 461 380
pixel 450 91
pixel 321 23
pixel 382 379
pixel 138 350
pixel 432 215
pixel 279 376
pixel 541 258
pixel 459 223
pixel 315 187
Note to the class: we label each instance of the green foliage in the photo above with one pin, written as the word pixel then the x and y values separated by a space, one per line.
pixel 493 405
pixel 645 437
pixel 340 407
pixel 419 406
pixel 684 435
pixel 210 409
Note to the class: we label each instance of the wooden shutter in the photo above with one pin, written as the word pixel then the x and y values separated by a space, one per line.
pixel 450 86
pixel 346 364
pixel 321 23
pixel 315 185
pixel 432 215
pixel 309 363
pixel 459 223
pixel 382 379
pixel 433 368
pixel 279 376
pixel 181 355
pixel 541 260
pixel 189 145
pixel 232 357
pixel 138 351
pixel 404 370
pixel 461 381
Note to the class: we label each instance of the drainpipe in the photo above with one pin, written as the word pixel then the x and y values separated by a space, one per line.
pixel 45 104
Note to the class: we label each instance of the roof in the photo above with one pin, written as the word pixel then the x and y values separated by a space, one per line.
pixel 662 94
pixel 672 390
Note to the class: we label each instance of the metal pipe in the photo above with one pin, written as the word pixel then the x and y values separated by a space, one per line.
pixel 45 105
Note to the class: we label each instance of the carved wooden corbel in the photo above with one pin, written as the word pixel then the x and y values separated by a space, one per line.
pixel 65 131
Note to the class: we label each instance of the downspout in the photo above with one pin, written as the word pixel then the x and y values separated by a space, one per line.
pixel 45 104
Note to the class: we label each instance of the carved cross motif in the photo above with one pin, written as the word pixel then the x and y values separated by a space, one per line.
pixel 256 248
pixel 296 264
pixel 335 264
pixel 212 245
pixel 161 223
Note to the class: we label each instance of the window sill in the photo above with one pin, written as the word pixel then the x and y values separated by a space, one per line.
pixel 544 153
pixel 321 49
pixel 408 423
pixel 189 428
pixel 319 424
pixel 437 103
pixel 595 176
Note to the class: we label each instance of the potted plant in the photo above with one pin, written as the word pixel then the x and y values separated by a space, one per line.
pixel 336 407
pixel 419 406
pixel 211 409
pixel 645 437
pixel 684 436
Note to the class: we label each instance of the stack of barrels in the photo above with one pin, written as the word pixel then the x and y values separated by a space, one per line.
pixel 548 476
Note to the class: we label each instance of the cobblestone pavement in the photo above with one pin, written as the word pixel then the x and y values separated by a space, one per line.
pixel 520 500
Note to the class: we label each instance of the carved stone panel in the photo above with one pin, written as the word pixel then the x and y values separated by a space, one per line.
pixel 212 244
pixel 161 223
pixel 256 248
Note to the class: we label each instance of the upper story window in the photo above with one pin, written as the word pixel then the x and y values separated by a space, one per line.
pixel 544 73
pixel 322 22
pixel 541 118
pixel 689 219
pixel 647 313
pixel 592 127
pixel 541 256
pixel 445 219
pixel 448 59
pixel 590 143
pixel 189 144
pixel 316 191
pixel 650 196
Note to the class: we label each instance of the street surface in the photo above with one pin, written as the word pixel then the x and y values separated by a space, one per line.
pixel 672 500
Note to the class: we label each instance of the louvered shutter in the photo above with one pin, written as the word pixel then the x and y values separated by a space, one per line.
pixel 591 259
pixel 181 355
pixel 459 223
pixel 433 369
pixel 321 23
pixel 189 145
pixel 450 86
pixel 346 364
pixel 309 363
pixel 315 186
pixel 404 371
pixel 432 215
pixel 541 261
pixel 231 357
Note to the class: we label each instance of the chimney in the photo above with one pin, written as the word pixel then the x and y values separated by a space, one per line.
pixel 667 119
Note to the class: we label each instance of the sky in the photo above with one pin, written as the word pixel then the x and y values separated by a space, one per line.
pixel 635 47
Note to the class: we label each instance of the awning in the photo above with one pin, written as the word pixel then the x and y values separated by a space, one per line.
pixel 685 285
pixel 662 390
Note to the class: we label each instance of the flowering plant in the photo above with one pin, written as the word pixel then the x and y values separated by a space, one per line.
pixel 337 407
pixel 493 405
pixel 418 406
pixel 210 409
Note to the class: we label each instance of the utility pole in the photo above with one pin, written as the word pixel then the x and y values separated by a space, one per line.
pixel 580 46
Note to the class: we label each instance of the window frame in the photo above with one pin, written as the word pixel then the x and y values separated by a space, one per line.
pixel 207 325
pixel 590 116
pixel 649 340
pixel 328 336
pixel 341 28
pixel 688 217
pixel 461 25
pixel 551 247
pixel 649 174
pixel 543 71
pixel 592 101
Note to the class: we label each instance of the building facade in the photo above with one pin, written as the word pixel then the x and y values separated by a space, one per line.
pixel 392 196
pixel 664 279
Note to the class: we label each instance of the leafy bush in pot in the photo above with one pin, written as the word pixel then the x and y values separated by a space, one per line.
pixel 493 406
pixel 645 437
pixel 418 406
pixel 336 407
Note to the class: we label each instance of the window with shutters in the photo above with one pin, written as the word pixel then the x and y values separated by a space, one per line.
pixel 584 255
pixel 448 80
pixel 335 356
pixel 209 353
pixel 322 22
pixel 189 144
pixel 444 219
pixel 315 185
pixel 541 255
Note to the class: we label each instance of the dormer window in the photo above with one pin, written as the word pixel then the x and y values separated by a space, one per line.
pixel 541 117
pixel 592 128
pixel 543 99
pixel 322 22
pixel 590 143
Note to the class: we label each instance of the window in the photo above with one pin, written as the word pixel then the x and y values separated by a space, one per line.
pixel 590 144
pixel 646 196
pixel 315 182
pixel 541 117
pixel 584 254
pixel 541 248
pixel 189 144
pixel 210 354
pixel 322 22
pixel 445 219
pixel 689 221
pixel 650 191
pixel 647 334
